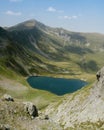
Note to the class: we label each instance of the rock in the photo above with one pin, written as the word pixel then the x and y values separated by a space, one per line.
pixel 31 109
pixel 46 117
pixel 8 97
pixel 4 127
pixel 99 86
pixel 100 74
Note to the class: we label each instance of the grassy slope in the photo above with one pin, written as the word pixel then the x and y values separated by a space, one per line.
pixel 39 97
pixel 56 68
pixel 10 81
pixel 62 62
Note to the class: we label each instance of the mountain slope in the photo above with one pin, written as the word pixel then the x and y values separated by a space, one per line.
pixel 59 44
pixel 83 109
pixel 34 48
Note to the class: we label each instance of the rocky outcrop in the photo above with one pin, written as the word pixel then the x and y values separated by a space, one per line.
pixel 31 109
pixel 97 91
pixel 8 97
pixel 85 106
pixel 100 74
pixel 13 116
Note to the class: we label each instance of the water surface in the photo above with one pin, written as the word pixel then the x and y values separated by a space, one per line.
pixel 58 86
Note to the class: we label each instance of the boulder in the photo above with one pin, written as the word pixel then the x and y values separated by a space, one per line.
pixel 8 97
pixel 4 127
pixel 31 109
pixel 100 74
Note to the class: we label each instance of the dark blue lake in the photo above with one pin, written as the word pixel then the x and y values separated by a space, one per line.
pixel 58 86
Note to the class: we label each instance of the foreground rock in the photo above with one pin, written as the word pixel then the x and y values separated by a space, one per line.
pixel 5 127
pixel 8 97
pixel 83 109
pixel 14 117
pixel 31 109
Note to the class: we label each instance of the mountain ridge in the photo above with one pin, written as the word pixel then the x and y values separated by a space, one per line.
pixel 39 41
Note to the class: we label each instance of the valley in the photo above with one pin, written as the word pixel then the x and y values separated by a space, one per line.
pixel 34 49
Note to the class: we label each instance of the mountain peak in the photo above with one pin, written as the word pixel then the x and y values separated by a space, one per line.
pixel 29 24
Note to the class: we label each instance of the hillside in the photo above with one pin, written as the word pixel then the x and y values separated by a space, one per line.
pixel 19 115
pixel 83 109
pixel 31 48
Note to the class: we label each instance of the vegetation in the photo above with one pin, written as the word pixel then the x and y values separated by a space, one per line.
pixel 35 51
pixel 41 50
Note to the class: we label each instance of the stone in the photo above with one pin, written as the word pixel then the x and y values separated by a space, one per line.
pixel 46 117
pixel 100 74
pixel 8 97
pixel 4 127
pixel 31 109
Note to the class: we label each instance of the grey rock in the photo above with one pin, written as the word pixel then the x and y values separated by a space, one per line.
pixel 46 117
pixel 8 97
pixel 100 74
pixel 4 127
pixel 31 109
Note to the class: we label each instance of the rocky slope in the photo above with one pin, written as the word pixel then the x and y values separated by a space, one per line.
pixel 83 109
pixel 17 115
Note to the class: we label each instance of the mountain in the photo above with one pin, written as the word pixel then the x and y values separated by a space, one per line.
pixel 33 48
pixel 30 24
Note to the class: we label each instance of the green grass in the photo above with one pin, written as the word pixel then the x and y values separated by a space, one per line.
pixel 39 97
pixel 19 59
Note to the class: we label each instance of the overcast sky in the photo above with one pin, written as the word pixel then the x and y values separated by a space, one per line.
pixel 73 15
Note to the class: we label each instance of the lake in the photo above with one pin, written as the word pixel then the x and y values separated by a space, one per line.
pixel 58 86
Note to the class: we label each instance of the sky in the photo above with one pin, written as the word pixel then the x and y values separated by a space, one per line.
pixel 73 15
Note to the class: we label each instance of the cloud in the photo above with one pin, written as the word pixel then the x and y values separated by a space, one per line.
pixel 9 12
pixel 15 0
pixel 74 17
pixel 68 17
pixel 52 9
